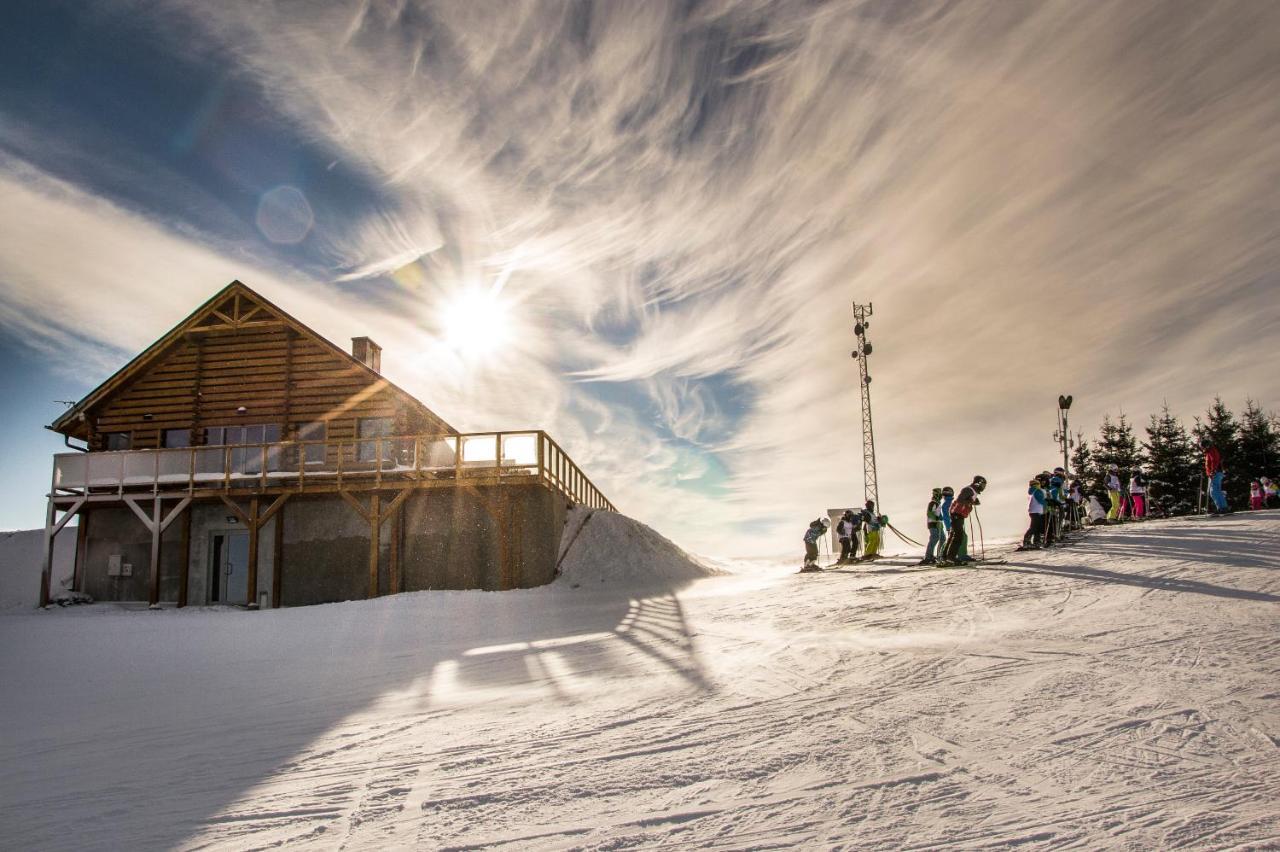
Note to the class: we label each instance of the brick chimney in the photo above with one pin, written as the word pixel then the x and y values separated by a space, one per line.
pixel 367 352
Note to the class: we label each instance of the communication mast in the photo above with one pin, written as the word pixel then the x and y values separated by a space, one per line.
pixel 870 489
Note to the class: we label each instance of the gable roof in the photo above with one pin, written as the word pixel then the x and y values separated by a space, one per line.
pixel 210 316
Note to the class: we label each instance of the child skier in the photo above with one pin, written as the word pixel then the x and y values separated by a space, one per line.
pixel 933 519
pixel 1138 495
pixel 948 495
pixel 1255 495
pixel 1054 500
pixel 817 529
pixel 1076 495
pixel 1113 491
pixel 1034 537
pixel 844 530
pixel 1270 492
pixel 957 545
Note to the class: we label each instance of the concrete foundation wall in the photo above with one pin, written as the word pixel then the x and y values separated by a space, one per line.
pixel 116 530
pixel 450 539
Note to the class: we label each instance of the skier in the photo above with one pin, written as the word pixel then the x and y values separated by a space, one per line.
pixel 1213 470
pixel 1054 498
pixel 1113 491
pixel 1255 495
pixel 873 523
pixel 957 545
pixel 1138 495
pixel 1097 514
pixel 1076 495
pixel 948 495
pixel 933 518
pixel 844 530
pixel 1034 537
pixel 817 529
pixel 1270 492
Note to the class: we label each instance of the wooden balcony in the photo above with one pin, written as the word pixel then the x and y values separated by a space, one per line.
pixel 367 464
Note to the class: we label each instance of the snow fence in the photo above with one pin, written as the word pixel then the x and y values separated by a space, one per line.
pixel 605 547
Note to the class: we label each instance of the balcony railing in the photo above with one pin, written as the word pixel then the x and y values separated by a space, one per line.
pixel 487 455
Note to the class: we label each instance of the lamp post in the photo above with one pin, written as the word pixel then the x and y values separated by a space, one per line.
pixel 1063 435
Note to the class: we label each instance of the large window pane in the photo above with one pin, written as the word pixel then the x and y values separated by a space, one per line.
pixel 370 428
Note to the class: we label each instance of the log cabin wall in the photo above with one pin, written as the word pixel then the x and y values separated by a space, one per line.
pixel 279 374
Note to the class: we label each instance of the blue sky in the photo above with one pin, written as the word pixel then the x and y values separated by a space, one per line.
pixel 673 205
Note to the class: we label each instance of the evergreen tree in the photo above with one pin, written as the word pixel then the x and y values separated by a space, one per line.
pixel 1116 445
pixel 1172 464
pixel 1259 445
pixel 1082 466
pixel 1220 427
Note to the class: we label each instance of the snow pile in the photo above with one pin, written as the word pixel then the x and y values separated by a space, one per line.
pixel 20 566
pixel 606 547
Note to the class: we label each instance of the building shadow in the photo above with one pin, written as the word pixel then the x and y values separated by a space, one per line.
pixel 156 734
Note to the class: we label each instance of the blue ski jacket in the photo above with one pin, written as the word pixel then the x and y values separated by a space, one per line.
pixel 946 510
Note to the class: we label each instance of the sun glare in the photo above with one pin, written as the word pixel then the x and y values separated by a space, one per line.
pixel 476 322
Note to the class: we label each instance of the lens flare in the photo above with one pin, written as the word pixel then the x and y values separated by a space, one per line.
pixel 476 322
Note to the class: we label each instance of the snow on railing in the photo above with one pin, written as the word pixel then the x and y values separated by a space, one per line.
pixel 456 457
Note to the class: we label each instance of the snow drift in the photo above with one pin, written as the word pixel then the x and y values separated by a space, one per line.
pixel 606 547
pixel 20 559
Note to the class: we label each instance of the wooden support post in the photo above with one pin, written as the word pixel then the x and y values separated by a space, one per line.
pixel 253 553
pixel 277 561
pixel 375 534
pixel 155 551
pixel 397 533
pixel 185 562
pixel 82 551
pixel 46 568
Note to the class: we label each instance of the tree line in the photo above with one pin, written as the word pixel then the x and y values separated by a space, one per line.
pixel 1171 459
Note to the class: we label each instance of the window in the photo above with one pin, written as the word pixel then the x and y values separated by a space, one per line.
pixel 370 428
pixel 117 440
pixel 314 453
pixel 247 460
pixel 173 438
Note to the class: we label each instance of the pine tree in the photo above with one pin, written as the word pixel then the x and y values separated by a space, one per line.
pixel 1259 445
pixel 1082 466
pixel 1116 445
pixel 1172 464
pixel 1220 427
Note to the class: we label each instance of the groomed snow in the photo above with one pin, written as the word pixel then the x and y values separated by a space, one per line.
pixel 1120 693
pixel 609 548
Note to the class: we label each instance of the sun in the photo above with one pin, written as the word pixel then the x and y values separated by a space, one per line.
pixel 476 322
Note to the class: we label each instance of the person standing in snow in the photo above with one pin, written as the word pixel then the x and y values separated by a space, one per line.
pixel 933 519
pixel 1213 470
pixel 844 530
pixel 1054 500
pixel 957 544
pixel 873 522
pixel 1138 495
pixel 1097 514
pixel 1076 495
pixel 817 529
pixel 1270 492
pixel 948 496
pixel 1113 491
pixel 1033 539
pixel 1255 495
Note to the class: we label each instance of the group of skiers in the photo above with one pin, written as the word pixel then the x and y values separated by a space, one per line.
pixel 856 529
pixel 1055 507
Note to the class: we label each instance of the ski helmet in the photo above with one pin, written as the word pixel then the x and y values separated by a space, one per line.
pixel 948 491
pixel 1060 471
pixel 1113 466
pixel 979 483
pixel 937 492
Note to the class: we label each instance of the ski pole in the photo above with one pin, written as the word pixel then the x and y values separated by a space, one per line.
pixel 982 544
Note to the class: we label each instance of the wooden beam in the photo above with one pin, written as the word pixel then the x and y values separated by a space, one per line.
pixel 185 562
pixel 253 553
pixel 397 534
pixel 132 503
pixel 375 540
pixel 155 550
pixel 75 507
pixel 174 512
pixel 82 552
pixel 234 507
pixel 277 559
pixel 355 504
pixel 395 503
pixel 46 567
pixel 276 506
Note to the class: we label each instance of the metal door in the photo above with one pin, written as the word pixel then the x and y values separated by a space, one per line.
pixel 231 580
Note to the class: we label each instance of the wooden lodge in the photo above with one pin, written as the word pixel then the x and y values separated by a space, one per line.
pixel 243 459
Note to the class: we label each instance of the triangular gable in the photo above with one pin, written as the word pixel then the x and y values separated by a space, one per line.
pixel 233 308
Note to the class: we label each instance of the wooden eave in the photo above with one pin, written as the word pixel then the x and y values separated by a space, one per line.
pixel 71 425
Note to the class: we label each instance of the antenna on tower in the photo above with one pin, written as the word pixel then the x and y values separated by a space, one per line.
pixel 861 315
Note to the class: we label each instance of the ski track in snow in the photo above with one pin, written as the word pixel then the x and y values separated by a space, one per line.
pixel 1121 693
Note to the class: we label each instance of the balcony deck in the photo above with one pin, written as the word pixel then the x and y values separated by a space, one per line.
pixel 414 461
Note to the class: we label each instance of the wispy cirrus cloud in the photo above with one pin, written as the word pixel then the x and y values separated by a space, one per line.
pixel 682 200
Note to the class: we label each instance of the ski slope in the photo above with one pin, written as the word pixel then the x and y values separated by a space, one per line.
pixel 1118 693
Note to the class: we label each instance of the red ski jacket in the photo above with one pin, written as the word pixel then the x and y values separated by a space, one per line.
pixel 1212 461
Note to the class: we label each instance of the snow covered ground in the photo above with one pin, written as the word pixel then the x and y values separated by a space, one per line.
pixel 1119 693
